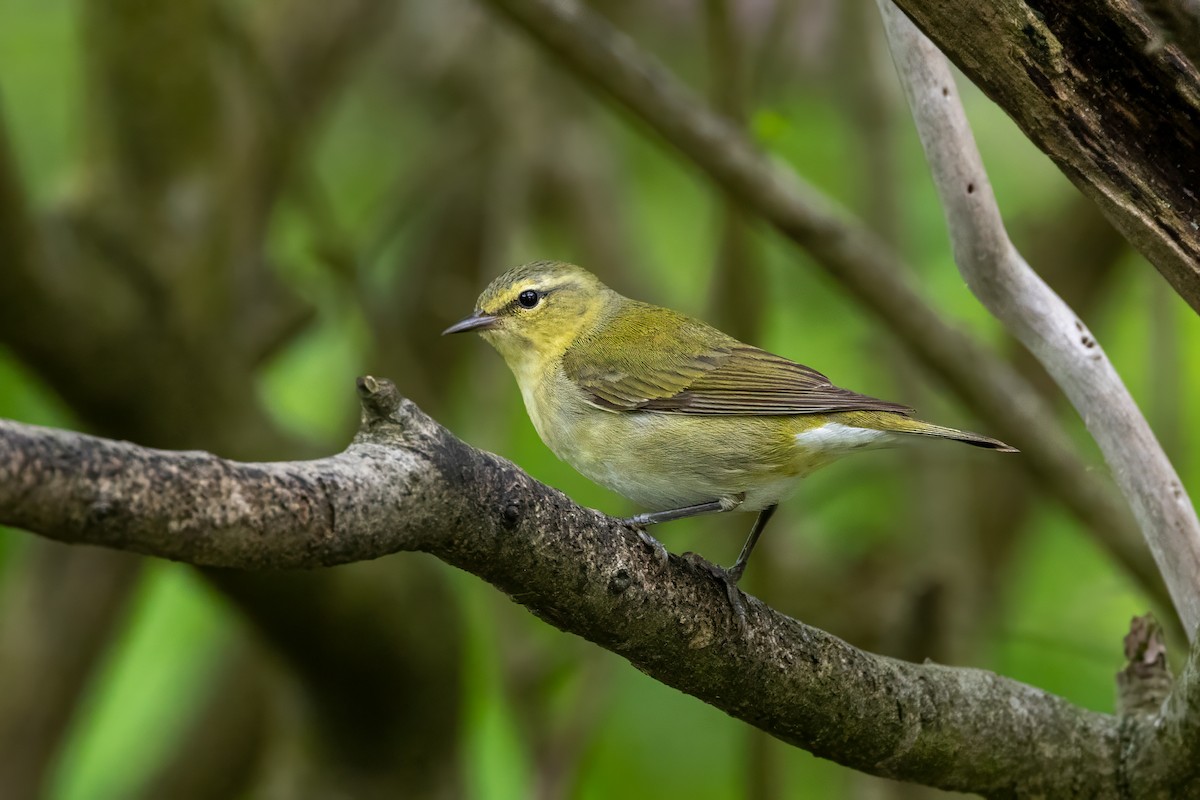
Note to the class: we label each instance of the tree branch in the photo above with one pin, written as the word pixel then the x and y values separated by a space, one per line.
pixel 848 251
pixel 406 483
pixel 1121 123
pixel 1039 318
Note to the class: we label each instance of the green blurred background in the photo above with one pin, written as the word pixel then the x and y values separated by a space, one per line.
pixel 239 207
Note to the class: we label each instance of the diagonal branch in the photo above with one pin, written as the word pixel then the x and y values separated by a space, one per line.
pixel 1030 309
pixel 1122 123
pixel 848 251
pixel 405 483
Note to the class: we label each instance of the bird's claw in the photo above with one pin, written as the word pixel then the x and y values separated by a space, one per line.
pixel 656 547
pixel 732 592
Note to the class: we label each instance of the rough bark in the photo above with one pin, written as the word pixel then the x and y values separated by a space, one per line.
pixel 1121 122
pixel 406 483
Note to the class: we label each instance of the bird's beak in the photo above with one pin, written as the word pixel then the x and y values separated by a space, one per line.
pixel 476 322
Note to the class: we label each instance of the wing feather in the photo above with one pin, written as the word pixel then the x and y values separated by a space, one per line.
pixel 654 359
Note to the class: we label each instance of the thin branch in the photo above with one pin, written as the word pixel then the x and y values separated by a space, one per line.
pixel 1122 123
pixel 850 252
pixel 406 483
pixel 1030 309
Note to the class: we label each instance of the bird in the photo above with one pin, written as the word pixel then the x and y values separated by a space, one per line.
pixel 670 412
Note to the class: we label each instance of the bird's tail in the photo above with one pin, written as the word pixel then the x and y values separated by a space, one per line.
pixel 901 424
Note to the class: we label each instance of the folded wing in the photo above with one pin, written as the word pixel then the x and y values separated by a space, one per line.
pixel 653 359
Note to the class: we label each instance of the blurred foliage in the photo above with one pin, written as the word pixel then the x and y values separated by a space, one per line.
pixel 1057 621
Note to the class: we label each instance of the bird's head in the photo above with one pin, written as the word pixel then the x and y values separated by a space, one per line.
pixel 534 312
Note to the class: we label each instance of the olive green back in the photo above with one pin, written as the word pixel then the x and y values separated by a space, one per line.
pixel 646 358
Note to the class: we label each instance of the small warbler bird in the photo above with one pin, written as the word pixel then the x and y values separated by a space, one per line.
pixel 668 411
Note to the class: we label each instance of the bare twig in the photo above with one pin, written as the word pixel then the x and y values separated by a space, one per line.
pixel 405 483
pixel 1145 681
pixel 848 251
pixel 1030 309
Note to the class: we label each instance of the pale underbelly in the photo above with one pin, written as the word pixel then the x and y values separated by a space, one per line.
pixel 664 461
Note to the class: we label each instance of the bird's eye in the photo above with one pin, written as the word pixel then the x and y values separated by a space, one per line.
pixel 528 298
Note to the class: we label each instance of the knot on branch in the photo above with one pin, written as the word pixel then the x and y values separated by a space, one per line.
pixel 390 419
pixel 380 398
pixel 1146 680
pixel 388 416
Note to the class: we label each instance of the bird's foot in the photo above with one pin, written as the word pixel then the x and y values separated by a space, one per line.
pixel 656 547
pixel 727 579
pixel 639 521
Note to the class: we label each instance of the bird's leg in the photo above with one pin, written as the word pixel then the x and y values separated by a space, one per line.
pixel 711 507
pixel 739 566
pixel 654 517
pixel 729 577
pixel 656 547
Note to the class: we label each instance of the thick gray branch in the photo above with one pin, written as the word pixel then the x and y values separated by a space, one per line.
pixel 848 250
pixel 1122 123
pixel 1038 317
pixel 406 483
